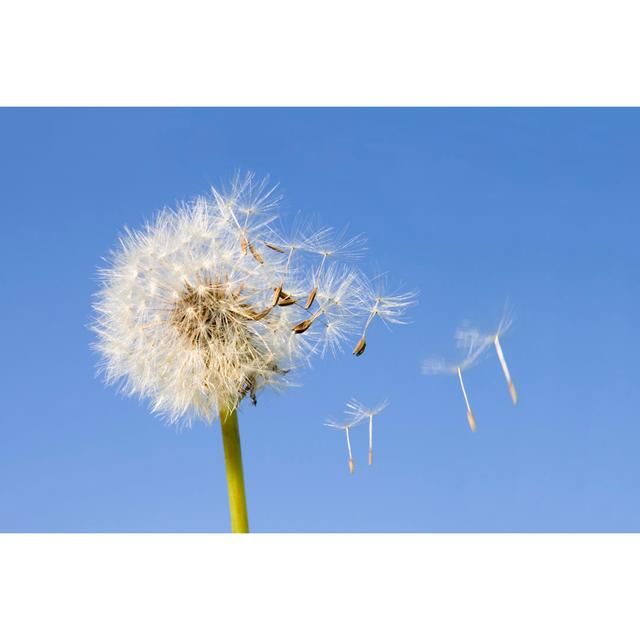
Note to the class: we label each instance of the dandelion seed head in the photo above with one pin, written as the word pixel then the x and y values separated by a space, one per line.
pixel 197 309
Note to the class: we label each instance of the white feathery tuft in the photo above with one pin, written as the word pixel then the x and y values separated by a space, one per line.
pixel 210 302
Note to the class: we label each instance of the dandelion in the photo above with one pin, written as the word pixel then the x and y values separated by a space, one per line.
pixel 207 305
pixel 360 412
pixel 468 336
pixel 345 426
pixel 476 345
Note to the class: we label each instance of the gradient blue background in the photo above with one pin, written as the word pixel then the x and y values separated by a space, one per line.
pixel 471 206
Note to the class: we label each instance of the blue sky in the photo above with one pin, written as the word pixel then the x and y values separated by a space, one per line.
pixel 473 207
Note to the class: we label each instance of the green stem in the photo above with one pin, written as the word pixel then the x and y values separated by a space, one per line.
pixel 235 476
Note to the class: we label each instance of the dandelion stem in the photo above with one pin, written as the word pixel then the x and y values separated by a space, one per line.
pixel 371 438
pixel 235 476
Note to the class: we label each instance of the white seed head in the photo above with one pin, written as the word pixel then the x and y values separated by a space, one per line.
pixel 206 304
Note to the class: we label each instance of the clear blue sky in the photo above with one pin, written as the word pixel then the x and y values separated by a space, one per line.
pixel 471 206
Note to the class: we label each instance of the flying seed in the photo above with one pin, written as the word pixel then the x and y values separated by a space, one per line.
pixel 311 298
pixel 273 247
pixel 360 347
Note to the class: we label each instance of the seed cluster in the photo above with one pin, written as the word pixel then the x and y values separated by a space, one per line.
pixel 214 301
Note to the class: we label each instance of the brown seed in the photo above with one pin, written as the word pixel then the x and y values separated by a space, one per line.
pixel 273 247
pixel 352 467
pixel 360 347
pixel 301 327
pixel 311 298
pixel 243 245
pixel 276 295
pixel 471 420
pixel 255 254
pixel 258 315
pixel 286 300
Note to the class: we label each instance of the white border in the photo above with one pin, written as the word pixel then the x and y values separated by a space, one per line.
pixel 319 586
pixel 127 52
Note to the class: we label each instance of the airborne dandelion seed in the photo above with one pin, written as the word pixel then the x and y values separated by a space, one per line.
pixel 484 341
pixel 476 345
pixel 360 412
pixel 345 426
pixel 390 308
pixel 357 412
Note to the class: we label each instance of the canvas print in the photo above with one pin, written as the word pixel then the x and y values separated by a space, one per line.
pixel 319 320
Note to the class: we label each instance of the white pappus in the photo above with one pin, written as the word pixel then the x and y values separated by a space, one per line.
pixel 209 303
